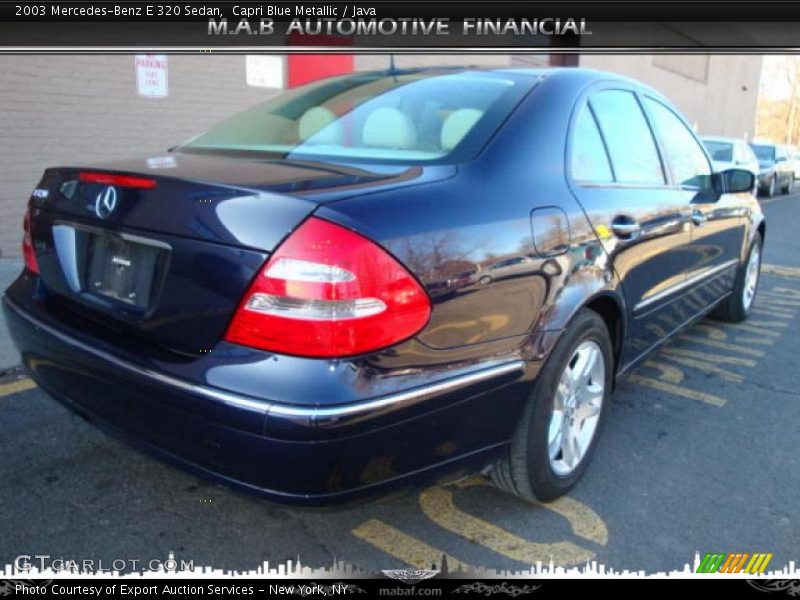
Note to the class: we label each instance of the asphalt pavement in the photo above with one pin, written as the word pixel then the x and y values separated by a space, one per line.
pixel 700 454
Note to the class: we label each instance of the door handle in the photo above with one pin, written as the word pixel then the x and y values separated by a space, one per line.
pixel 625 228
pixel 698 218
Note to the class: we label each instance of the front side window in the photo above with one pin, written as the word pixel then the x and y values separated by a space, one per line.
pixel 411 117
pixel 690 166
pixel 630 142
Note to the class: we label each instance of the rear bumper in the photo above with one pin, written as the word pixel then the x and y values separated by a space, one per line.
pixel 313 454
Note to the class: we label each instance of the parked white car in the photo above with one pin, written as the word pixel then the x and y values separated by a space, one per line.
pixel 731 153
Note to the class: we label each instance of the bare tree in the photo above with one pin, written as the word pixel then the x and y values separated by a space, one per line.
pixel 792 77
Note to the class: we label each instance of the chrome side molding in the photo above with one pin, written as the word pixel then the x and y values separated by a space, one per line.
pixel 252 404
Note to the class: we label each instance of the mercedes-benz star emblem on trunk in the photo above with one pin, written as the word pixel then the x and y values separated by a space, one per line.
pixel 106 202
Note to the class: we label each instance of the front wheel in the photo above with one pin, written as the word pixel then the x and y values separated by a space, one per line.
pixel 787 189
pixel 737 306
pixel 558 431
pixel 770 189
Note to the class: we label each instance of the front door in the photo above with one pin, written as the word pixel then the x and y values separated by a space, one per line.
pixel 717 225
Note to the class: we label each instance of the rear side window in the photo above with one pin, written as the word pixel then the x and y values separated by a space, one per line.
pixel 689 163
pixel 721 151
pixel 763 152
pixel 630 142
pixel 589 161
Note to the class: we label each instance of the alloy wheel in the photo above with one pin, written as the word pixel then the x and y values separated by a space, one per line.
pixel 751 277
pixel 577 404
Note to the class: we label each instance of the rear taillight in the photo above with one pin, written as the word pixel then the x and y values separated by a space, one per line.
pixel 27 244
pixel 329 292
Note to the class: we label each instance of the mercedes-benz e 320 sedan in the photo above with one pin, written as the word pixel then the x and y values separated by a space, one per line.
pixel 384 278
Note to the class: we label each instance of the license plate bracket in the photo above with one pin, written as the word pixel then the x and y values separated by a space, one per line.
pixel 121 270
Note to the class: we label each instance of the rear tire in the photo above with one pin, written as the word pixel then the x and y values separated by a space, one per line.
pixel 565 411
pixel 789 185
pixel 737 306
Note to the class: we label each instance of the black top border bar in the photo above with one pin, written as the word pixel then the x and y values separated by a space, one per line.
pixel 192 25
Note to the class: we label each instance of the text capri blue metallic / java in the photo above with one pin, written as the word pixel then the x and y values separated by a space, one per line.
pixel 384 279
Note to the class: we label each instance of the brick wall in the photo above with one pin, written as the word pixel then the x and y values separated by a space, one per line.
pixel 62 109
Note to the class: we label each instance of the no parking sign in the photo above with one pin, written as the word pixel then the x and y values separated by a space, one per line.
pixel 151 75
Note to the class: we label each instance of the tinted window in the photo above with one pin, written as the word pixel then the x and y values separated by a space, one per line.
pixel 689 163
pixel 630 143
pixel 721 151
pixel 589 160
pixel 763 152
pixel 411 117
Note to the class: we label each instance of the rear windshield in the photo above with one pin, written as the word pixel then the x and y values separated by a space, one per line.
pixel 721 151
pixel 405 117
pixel 763 152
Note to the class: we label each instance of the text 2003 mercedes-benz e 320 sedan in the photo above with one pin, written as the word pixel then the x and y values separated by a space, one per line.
pixel 384 278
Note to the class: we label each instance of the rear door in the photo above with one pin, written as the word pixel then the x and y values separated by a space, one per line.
pixel 716 224
pixel 619 178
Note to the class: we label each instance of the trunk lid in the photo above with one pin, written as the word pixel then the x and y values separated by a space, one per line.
pixel 168 255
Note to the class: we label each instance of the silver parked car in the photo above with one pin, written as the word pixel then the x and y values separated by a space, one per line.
pixel 731 153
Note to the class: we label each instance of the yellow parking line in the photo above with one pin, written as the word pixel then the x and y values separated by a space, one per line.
pixel 402 546
pixel 584 521
pixel 753 328
pixel 772 312
pixel 678 390
pixel 438 506
pixel 785 291
pixel 757 323
pixel 717 358
pixel 753 340
pixel 14 387
pixel 668 372
pixel 700 365
pixel 722 345
pixel 713 332
pixel 780 270
pixel 779 300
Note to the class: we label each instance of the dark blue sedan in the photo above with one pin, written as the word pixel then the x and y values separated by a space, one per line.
pixel 384 279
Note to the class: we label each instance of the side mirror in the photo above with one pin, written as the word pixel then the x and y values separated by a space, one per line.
pixel 780 159
pixel 736 181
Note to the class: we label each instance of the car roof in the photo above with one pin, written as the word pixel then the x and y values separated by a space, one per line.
pixel 720 138
pixel 565 74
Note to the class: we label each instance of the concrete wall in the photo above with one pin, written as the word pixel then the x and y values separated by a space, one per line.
pixel 718 93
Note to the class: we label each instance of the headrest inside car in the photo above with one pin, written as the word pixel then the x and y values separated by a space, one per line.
pixel 318 126
pixel 389 128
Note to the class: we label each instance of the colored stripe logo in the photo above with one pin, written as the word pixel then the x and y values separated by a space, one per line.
pixel 741 562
